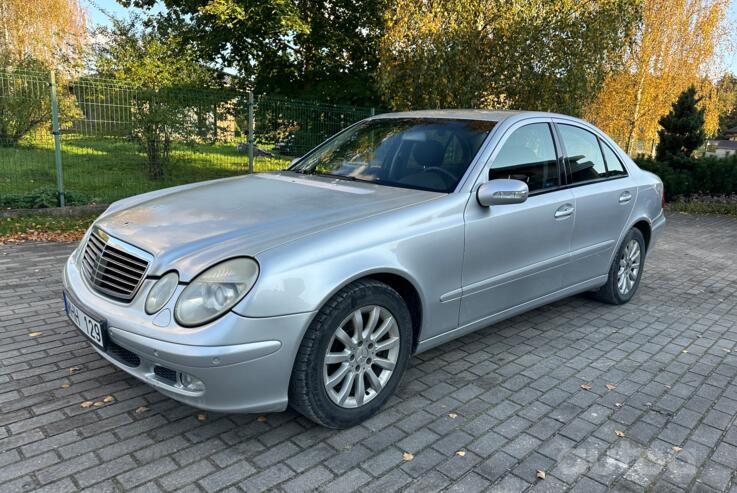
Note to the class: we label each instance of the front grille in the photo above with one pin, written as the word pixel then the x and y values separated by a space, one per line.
pixel 166 374
pixel 121 354
pixel 113 267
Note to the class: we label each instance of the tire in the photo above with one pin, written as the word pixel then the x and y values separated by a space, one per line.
pixel 310 389
pixel 611 292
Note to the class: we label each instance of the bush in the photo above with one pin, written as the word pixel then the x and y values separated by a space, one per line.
pixel 686 177
pixel 42 198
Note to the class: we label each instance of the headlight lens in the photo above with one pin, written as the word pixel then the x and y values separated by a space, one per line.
pixel 215 291
pixel 160 292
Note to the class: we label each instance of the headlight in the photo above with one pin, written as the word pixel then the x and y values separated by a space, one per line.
pixel 160 292
pixel 215 291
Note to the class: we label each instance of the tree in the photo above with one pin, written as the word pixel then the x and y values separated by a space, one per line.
pixel 25 101
pixel 726 89
pixel 675 46
pixel 310 49
pixel 537 54
pixel 50 31
pixel 165 85
pixel 682 128
pixel 145 57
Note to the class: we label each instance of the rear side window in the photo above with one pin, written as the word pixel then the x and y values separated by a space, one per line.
pixel 582 153
pixel 613 164
pixel 528 155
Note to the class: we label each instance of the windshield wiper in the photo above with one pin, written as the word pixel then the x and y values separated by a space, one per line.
pixel 339 177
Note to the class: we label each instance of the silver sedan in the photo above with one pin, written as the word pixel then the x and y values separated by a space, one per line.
pixel 313 286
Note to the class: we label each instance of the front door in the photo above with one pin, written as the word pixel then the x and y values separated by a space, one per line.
pixel 517 253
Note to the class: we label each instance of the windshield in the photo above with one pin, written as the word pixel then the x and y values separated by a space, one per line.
pixel 420 153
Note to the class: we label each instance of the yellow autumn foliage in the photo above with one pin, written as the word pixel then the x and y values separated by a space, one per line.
pixel 676 45
pixel 51 31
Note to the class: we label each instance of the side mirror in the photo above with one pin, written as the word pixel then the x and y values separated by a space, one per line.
pixel 501 192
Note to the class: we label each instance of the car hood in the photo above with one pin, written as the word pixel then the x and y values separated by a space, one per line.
pixel 190 227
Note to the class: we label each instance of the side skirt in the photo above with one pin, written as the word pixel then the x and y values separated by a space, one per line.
pixel 439 339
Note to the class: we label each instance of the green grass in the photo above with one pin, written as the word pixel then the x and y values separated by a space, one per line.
pixel 10 226
pixel 104 169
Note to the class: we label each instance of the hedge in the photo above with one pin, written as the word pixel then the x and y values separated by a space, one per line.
pixel 684 177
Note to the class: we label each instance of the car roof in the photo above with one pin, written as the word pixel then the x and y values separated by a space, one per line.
pixel 488 115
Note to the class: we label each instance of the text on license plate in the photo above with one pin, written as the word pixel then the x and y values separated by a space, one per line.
pixel 91 327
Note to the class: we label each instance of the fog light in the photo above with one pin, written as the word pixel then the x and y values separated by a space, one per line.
pixel 191 383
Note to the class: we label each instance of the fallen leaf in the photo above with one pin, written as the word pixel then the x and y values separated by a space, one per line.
pixel 35 334
pixel 141 409
pixel 611 386
pixel 99 403
pixel 452 415
pixel 685 351
pixel 407 456
pixel 65 386
pixel 618 404
pixel 87 404
pixel 586 386
pixel 540 474
pixel 261 419
pixel 620 434
pixel 668 387
pixel 677 449
pixel 461 453
pixel 73 370
pixel 108 398
pixel 726 350
pixel 34 235
pixel 202 417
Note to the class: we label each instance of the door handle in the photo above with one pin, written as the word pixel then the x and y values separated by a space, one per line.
pixel 564 211
pixel 625 197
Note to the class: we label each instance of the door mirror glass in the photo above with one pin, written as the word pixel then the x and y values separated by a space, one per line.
pixel 501 192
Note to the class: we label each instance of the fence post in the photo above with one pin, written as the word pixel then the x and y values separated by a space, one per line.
pixel 373 111
pixel 250 132
pixel 56 131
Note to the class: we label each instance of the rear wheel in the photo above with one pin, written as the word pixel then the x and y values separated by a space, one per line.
pixel 352 356
pixel 626 270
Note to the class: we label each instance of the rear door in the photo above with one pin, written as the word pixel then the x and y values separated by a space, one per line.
pixel 604 196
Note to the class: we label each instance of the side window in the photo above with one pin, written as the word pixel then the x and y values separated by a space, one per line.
pixel 528 155
pixel 583 154
pixel 613 164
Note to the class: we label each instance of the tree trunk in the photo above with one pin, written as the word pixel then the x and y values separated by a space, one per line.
pixel 635 117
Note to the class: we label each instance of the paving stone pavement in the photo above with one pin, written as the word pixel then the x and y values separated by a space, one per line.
pixel 482 413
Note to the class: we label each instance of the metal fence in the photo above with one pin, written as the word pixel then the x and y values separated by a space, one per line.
pixel 92 140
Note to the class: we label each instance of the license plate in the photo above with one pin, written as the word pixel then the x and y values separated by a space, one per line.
pixel 90 326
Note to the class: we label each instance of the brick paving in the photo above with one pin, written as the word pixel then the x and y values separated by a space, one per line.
pixel 482 413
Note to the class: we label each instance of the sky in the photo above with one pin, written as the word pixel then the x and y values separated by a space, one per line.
pixel 98 11
pixel 96 16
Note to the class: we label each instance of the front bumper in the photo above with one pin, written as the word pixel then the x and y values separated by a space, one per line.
pixel 244 364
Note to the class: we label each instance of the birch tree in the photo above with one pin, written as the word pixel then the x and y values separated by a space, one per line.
pixel 51 31
pixel 675 46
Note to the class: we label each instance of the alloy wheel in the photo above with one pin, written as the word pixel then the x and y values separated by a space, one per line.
pixel 361 356
pixel 629 267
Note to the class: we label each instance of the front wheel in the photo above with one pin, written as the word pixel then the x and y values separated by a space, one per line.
pixel 352 356
pixel 626 270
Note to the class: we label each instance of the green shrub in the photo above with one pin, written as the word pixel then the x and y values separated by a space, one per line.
pixel 42 198
pixel 684 177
